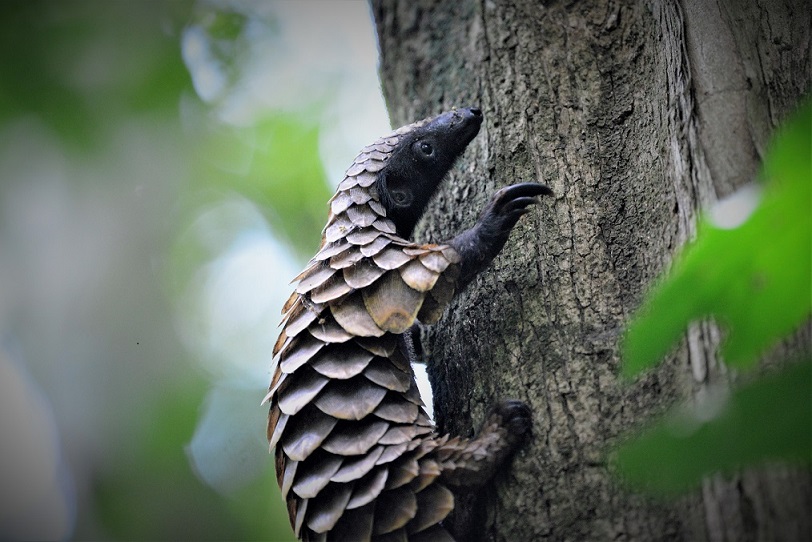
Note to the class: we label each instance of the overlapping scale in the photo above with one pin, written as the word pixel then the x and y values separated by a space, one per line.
pixel 392 304
pixel 347 258
pixel 299 510
pixel 351 314
pixel 352 399
pixel 385 225
pixel 396 507
pixel 372 166
pixel 305 348
pixel 417 250
pixel 356 438
pixel 429 471
pixel 400 359
pixel 391 258
pixel 402 471
pixel 362 215
pixel 328 250
pixel 362 274
pixel 276 427
pixel 313 476
pixel 392 452
pixel 317 275
pixel 335 288
pixel 348 183
pixel 353 469
pixel 299 321
pixel 367 178
pixel 377 146
pixel 368 488
pixel 342 361
pixel 371 154
pixel 377 206
pixel 327 330
pixel 378 244
pixel 294 297
pixel 395 409
pixel 398 434
pixel 355 523
pixel 300 392
pixel 283 343
pixel 413 395
pixel 341 202
pixel 278 380
pixel 364 236
pixel 434 261
pixel 308 432
pixel 383 346
pixel 326 510
pixel 382 372
pixel 355 169
pixel 295 309
pixel 339 228
pixel 288 475
pixel 418 276
pixel 450 254
pixel 423 419
pixel 434 503
pixel 359 196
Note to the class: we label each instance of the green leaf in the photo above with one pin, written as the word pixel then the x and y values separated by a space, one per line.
pixel 755 279
pixel 770 419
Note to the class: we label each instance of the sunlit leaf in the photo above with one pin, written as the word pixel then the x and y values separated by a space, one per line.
pixel 770 419
pixel 755 279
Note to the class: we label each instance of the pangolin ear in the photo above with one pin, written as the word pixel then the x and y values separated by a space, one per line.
pixel 396 193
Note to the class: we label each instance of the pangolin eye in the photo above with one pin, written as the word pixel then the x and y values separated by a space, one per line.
pixel 426 148
pixel 401 198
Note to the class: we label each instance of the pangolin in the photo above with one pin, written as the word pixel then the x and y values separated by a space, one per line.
pixel 357 457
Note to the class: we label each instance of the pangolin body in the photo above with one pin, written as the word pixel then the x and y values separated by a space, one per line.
pixel 357 458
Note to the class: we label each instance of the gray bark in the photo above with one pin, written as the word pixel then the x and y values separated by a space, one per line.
pixel 637 115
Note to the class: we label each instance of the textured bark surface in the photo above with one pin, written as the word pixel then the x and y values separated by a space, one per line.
pixel 637 116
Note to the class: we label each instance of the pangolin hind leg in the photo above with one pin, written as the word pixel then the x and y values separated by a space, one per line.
pixel 472 462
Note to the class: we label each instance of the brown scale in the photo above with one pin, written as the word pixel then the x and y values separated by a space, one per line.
pixel 357 457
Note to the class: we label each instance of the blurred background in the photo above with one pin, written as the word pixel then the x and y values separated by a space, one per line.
pixel 164 172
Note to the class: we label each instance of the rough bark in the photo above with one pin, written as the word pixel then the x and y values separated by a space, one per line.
pixel 637 115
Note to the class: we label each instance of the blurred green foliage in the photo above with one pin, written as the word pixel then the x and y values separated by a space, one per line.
pixel 768 419
pixel 755 279
pixel 272 164
pixel 52 64
pixel 93 74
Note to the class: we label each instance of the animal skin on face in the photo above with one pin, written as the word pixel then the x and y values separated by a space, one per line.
pixel 357 457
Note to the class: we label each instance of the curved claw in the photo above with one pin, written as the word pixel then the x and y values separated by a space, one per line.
pixel 521 190
pixel 509 204
pixel 518 203
pixel 512 201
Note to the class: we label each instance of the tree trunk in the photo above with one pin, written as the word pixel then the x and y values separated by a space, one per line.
pixel 637 116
